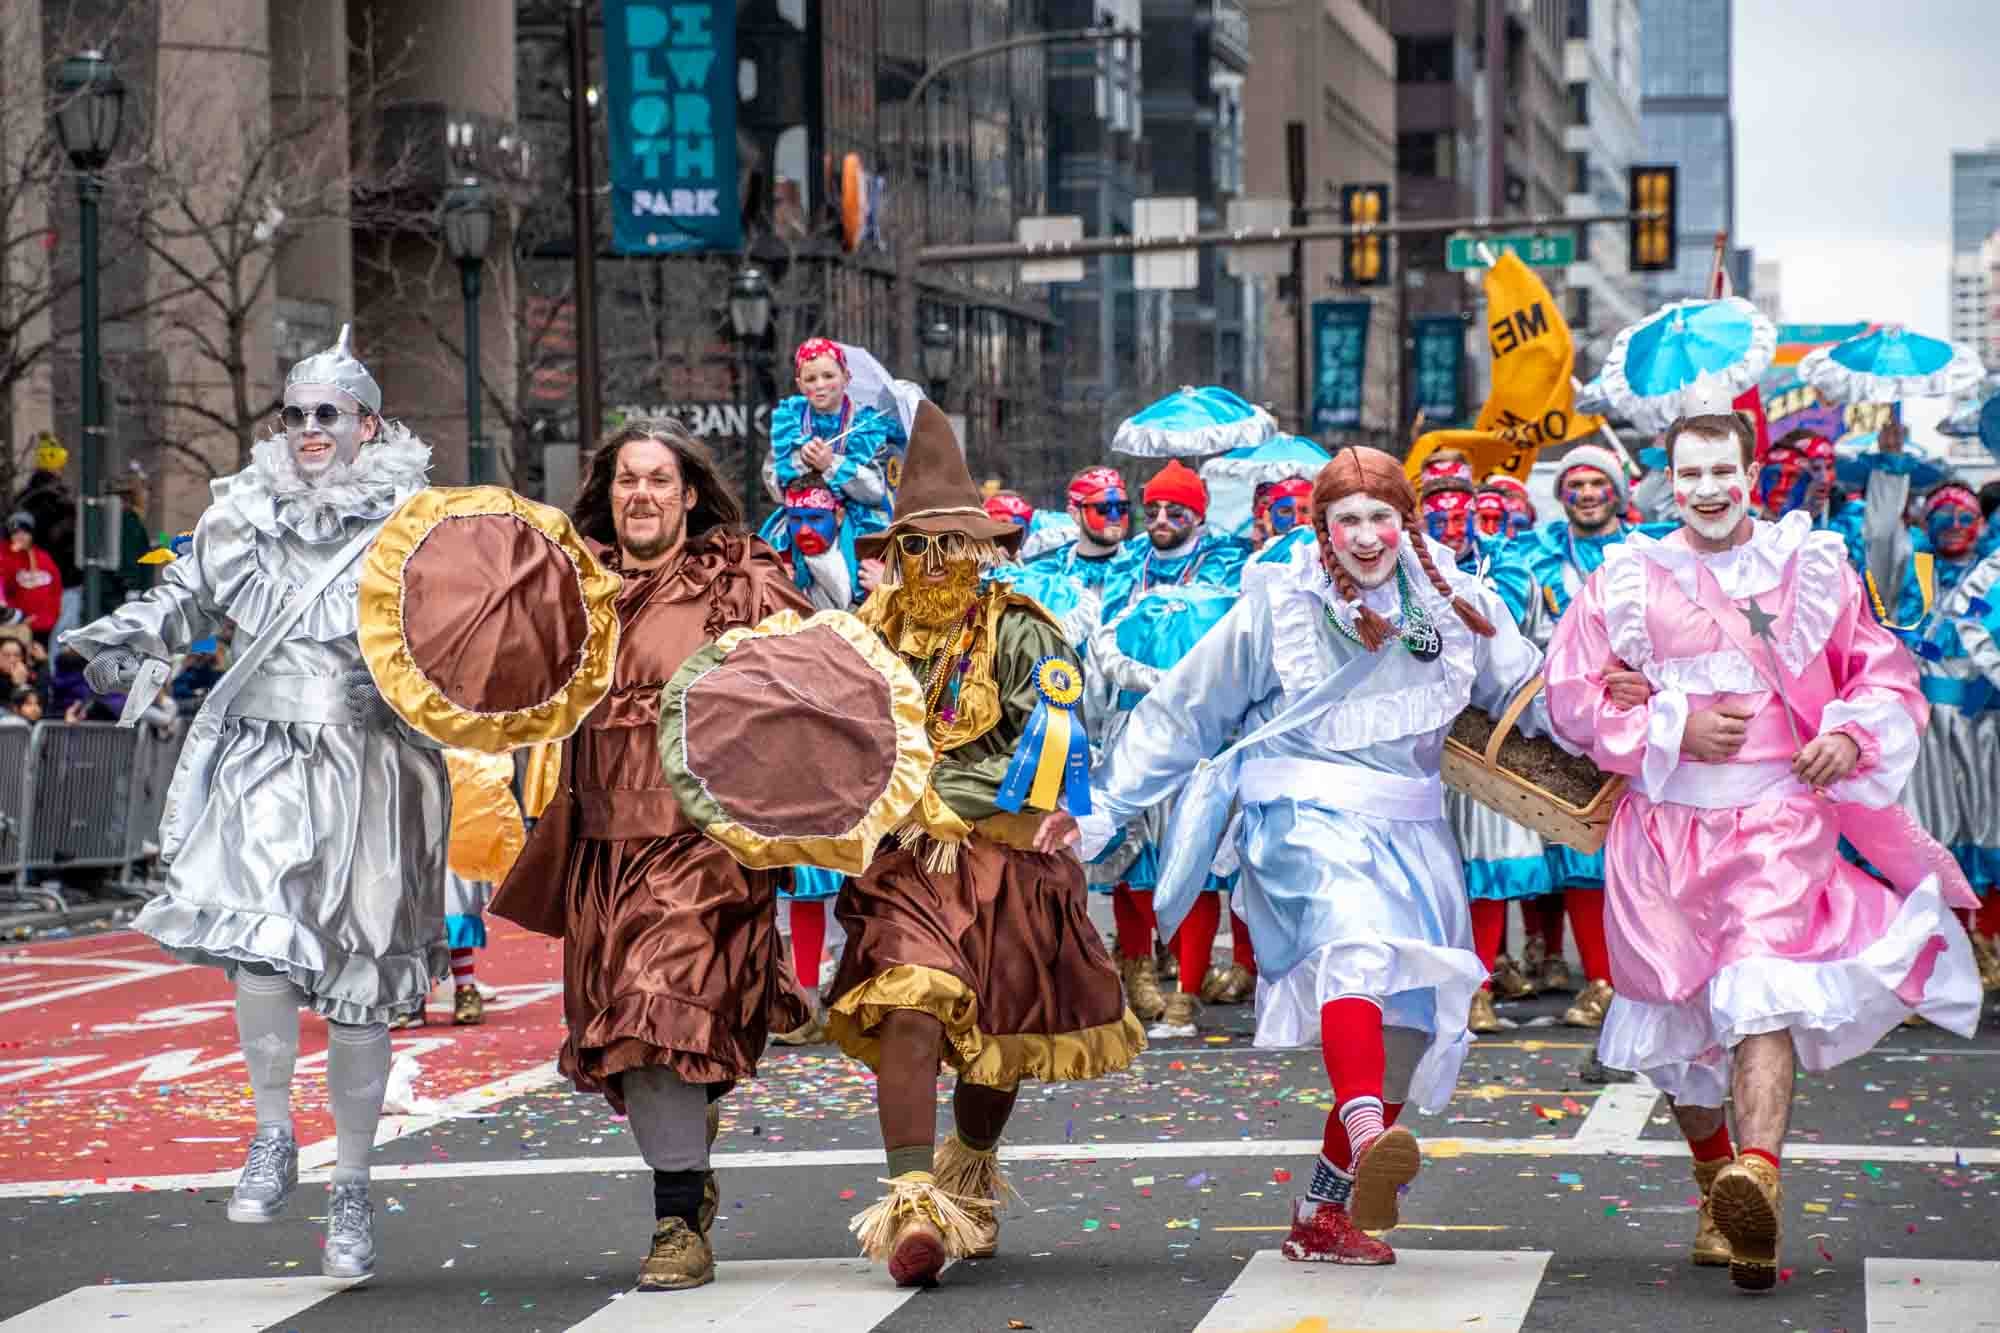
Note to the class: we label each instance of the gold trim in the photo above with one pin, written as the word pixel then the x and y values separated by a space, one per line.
pixel 414 697
pixel 487 834
pixel 985 1060
pixel 909 779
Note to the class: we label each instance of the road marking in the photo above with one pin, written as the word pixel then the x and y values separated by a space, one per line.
pixel 1618 1116
pixel 221 1306
pixel 1404 1226
pixel 1932 1294
pixel 796 1295
pixel 1424 1289
pixel 145 972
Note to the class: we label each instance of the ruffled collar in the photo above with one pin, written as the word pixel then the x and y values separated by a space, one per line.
pixel 1749 569
pixel 273 496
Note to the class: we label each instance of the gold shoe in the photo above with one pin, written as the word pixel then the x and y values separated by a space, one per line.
pixel 1711 1247
pixel 468 1006
pixel 1380 1173
pixel 1547 972
pixel 915 1228
pixel 711 1192
pixel 1590 1007
pixel 1178 1018
pixel 1987 956
pixel 1166 965
pixel 1509 981
pixel 812 1032
pixel 680 1258
pixel 404 1022
pixel 973 1178
pixel 1142 988
pixel 1483 1018
pixel 1232 984
pixel 1747 1201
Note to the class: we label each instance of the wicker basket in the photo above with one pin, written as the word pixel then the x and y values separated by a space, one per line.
pixel 1520 799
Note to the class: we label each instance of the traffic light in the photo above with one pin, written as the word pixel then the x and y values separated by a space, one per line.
pixel 1365 261
pixel 1654 241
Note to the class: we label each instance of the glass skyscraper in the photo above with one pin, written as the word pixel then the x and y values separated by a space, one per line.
pixel 1684 48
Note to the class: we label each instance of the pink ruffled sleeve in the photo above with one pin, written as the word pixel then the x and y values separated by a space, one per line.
pixel 1642 743
pixel 1879 702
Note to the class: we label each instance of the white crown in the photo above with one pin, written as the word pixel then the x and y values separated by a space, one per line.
pixel 1708 396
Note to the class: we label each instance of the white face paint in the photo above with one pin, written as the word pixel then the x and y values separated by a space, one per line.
pixel 318 444
pixel 1364 534
pixel 1710 488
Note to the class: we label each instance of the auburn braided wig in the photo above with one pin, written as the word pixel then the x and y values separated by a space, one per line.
pixel 1359 470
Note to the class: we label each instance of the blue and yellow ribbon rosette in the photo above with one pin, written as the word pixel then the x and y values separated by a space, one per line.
pixel 1052 762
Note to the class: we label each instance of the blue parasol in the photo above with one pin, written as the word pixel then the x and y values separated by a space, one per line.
pixel 1652 361
pixel 1194 422
pixel 1888 364
pixel 1277 459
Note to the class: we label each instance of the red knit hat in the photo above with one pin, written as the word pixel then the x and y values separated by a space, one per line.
pixel 1179 484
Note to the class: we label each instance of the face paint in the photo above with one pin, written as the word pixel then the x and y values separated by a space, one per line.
pixel 1709 485
pixel 1108 518
pixel 1169 524
pixel 1286 513
pixel 1489 511
pixel 1588 498
pixel 1783 483
pixel 1953 524
pixel 814 530
pixel 1448 517
pixel 1447 463
pixel 823 380
pixel 323 438
pixel 1363 535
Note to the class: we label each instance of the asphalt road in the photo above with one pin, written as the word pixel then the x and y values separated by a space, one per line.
pixel 1153 1200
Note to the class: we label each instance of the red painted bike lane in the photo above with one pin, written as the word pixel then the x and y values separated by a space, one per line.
pixel 117 1061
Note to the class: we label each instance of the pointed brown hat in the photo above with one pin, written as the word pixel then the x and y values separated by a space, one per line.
pixel 937 493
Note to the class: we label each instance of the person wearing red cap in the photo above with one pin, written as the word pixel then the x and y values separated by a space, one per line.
pixel 1279 507
pixel 1179 546
pixel 1102 510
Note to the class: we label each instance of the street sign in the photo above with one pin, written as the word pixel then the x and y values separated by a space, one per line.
pixel 1166 270
pixel 1555 250
pixel 1252 261
pixel 1050 231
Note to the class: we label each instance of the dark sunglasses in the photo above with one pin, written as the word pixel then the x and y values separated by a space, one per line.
pixel 916 545
pixel 325 415
pixel 1111 509
pixel 1160 508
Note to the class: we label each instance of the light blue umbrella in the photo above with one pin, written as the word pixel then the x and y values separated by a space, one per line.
pixel 1652 361
pixel 1889 364
pixel 1192 423
pixel 1277 459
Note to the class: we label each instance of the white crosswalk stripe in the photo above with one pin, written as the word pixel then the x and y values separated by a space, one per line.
pixel 796 1295
pixel 1423 1289
pixel 228 1305
pixel 1932 1295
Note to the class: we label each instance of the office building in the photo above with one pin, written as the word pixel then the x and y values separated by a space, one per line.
pixel 1601 64
pixel 1975 217
pixel 1684 84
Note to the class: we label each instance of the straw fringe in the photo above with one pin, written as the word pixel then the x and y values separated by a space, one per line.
pixel 915 1195
pixel 970 1174
pixel 938 857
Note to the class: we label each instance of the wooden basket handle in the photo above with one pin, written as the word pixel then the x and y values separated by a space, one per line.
pixel 1515 707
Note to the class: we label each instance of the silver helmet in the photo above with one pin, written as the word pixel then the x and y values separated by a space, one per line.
pixel 338 366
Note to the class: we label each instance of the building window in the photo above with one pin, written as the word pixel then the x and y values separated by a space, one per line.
pixel 1579 19
pixel 1579 308
pixel 1579 173
pixel 1579 104
pixel 1428 154
pixel 1424 60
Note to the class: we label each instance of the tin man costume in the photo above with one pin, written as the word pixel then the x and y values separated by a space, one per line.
pixel 306 825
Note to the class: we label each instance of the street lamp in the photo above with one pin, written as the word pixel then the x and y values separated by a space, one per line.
pixel 468 231
pixel 750 321
pixel 89 112
pixel 940 357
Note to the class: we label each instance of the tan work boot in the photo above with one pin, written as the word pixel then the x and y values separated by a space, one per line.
pixel 1484 1017
pixel 711 1191
pixel 1509 981
pixel 973 1178
pixel 680 1258
pixel 1178 1018
pixel 812 1032
pixel 468 1006
pixel 1142 988
pixel 1592 1003
pixel 1747 1201
pixel 1380 1172
pixel 1546 970
pixel 1231 984
pixel 1711 1247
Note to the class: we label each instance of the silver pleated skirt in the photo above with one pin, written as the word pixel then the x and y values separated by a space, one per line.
pixel 1954 790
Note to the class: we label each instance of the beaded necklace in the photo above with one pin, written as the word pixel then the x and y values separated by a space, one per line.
pixel 1418 632
pixel 942 678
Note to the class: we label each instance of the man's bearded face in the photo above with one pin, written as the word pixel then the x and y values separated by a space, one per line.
pixel 1784 483
pixel 814 528
pixel 1954 526
pixel 1589 499
pixel 1107 517
pixel 1169 524
pixel 1362 536
pixel 1448 517
pixel 940 579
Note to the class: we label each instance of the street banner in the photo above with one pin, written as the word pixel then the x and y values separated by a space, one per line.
pixel 1532 402
pixel 670 102
pixel 1340 358
pixel 1439 360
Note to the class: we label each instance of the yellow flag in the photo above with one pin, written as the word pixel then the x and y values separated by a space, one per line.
pixel 1487 452
pixel 1533 398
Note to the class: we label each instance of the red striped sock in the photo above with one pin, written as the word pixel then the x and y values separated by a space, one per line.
pixel 461 966
pixel 1362 1118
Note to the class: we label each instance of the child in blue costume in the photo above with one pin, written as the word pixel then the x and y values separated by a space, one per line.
pixel 1129 655
pixel 856 450
pixel 1180 547
pixel 813 534
pixel 1559 556
pixel 1503 860
pixel 1102 511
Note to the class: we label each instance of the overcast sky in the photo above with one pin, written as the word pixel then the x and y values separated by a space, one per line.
pixel 1846 115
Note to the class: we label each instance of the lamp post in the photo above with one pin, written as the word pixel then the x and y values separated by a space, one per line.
pixel 940 357
pixel 750 321
pixel 89 112
pixel 468 230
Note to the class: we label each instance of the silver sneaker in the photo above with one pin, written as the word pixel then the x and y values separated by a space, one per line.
pixel 350 1233
pixel 269 1176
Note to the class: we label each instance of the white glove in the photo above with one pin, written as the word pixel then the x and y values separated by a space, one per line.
pixel 113 671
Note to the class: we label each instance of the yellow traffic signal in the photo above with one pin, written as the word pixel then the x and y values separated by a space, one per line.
pixel 1365 262
pixel 1654 241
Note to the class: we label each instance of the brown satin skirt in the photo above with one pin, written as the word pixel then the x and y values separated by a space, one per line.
pixel 671 957
pixel 1001 951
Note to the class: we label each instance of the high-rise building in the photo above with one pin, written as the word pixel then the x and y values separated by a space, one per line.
pixel 1601 63
pixel 1975 216
pixel 1684 84
pixel 1767 289
pixel 1331 68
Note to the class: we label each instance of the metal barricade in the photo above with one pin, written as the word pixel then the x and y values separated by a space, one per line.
pixel 78 803
pixel 14 741
pixel 159 751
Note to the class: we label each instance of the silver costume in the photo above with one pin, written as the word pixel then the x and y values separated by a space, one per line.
pixel 1351 882
pixel 320 851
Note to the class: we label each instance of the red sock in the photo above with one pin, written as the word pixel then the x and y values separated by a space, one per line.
pixel 1489 926
pixel 1240 951
pixel 1132 910
pixel 1334 1146
pixel 1548 917
pixel 1770 1157
pixel 1586 918
pixel 1989 914
pixel 461 966
pixel 1714 1148
pixel 1390 1110
pixel 1350 1034
pixel 808 939
pixel 1194 942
